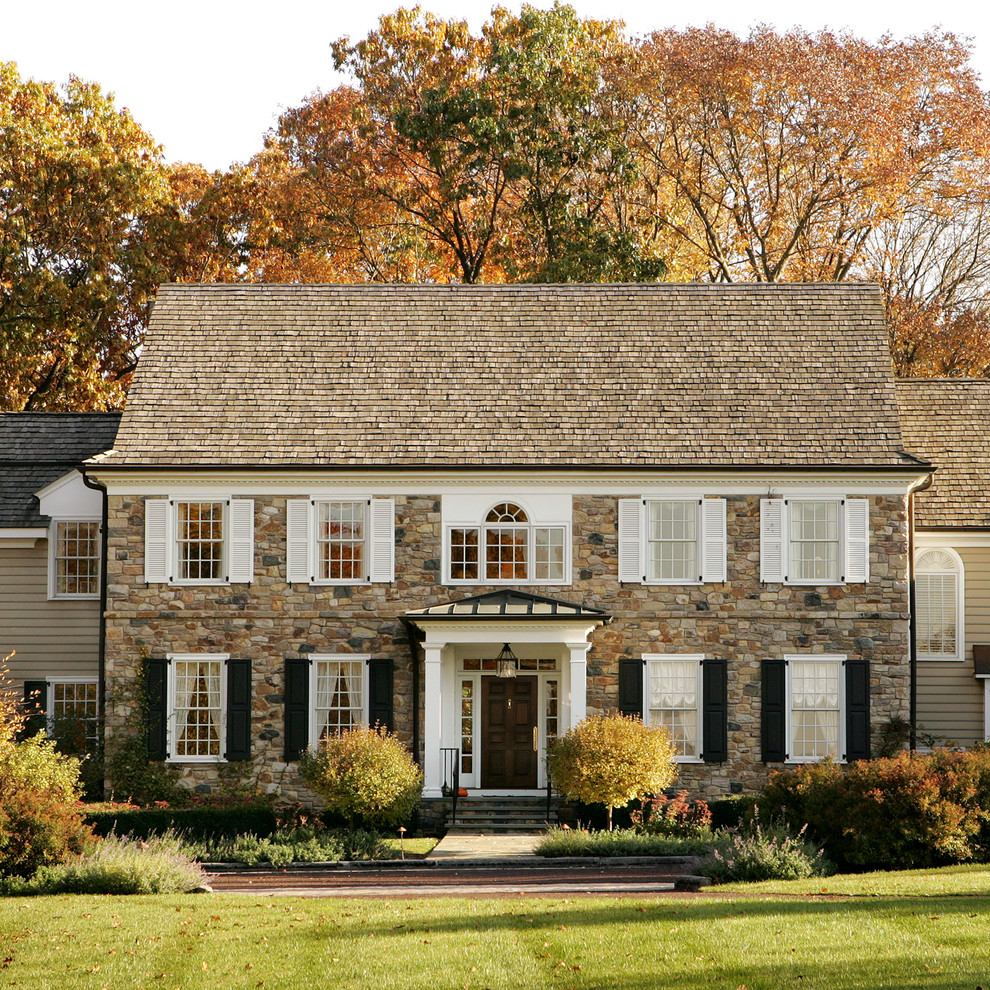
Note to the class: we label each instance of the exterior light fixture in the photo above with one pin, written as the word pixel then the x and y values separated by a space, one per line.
pixel 506 663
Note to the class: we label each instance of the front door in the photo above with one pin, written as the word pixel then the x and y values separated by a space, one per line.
pixel 508 732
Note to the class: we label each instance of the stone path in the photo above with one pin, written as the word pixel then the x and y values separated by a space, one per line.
pixel 458 846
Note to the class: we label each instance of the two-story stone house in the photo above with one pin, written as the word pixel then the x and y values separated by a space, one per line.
pixel 339 504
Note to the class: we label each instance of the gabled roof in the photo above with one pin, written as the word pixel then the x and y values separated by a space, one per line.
pixel 947 421
pixel 513 375
pixel 508 604
pixel 37 449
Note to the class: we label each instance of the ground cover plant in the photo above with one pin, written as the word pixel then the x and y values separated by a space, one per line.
pixel 758 853
pixel 291 845
pixel 206 942
pixel 621 842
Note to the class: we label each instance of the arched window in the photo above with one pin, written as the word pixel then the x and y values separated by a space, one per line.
pixel 938 597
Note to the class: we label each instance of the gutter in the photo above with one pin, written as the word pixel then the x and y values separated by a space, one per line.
pixel 102 648
pixel 912 618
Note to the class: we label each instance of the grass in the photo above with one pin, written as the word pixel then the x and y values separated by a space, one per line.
pixel 414 848
pixel 200 942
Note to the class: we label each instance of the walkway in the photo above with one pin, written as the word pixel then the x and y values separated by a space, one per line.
pixel 500 847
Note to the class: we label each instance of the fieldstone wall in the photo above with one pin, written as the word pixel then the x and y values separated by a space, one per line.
pixel 741 620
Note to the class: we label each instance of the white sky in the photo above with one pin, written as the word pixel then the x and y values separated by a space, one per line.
pixel 207 79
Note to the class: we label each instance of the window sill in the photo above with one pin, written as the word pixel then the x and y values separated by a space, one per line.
pixel 195 759
pixel 937 658
pixel 74 598
pixel 689 761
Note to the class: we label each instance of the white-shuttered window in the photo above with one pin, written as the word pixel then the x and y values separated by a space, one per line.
pixel 815 690
pixel 938 604
pixel 814 541
pixel 673 700
pixel 340 537
pixel 199 541
pixel 672 541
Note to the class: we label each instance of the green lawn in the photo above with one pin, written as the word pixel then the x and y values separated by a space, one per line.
pixel 63 943
pixel 415 848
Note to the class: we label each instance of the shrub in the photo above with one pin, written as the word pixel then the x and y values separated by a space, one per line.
pixel 292 845
pixel 764 854
pixel 896 813
pixel 611 759
pixel 675 815
pixel 192 823
pixel 365 772
pixel 621 842
pixel 117 865
pixel 730 812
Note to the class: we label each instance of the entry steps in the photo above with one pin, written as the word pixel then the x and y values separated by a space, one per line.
pixel 502 816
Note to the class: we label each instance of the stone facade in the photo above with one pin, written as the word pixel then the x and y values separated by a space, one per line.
pixel 741 620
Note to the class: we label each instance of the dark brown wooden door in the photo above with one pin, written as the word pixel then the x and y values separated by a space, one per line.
pixel 508 722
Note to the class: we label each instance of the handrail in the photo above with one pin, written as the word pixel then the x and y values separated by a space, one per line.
pixel 451 760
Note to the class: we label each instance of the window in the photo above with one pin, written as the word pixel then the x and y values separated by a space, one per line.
pixel 339 693
pixel 199 541
pixel 672 541
pixel 74 714
pixel 507 548
pixel 815 541
pixel 815 689
pixel 75 558
pixel 340 541
pixel 674 693
pixel 196 706
pixel 938 601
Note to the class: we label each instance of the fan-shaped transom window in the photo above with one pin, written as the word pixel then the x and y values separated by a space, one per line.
pixel 506 512
pixel 938 604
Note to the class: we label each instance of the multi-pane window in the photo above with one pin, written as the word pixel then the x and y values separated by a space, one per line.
pixel 73 715
pixel 199 541
pixel 672 541
pixel 674 700
pixel 815 706
pixel 340 541
pixel 815 542
pixel 552 696
pixel 339 695
pixel 938 578
pixel 467 726
pixel 514 549
pixel 76 559
pixel 197 708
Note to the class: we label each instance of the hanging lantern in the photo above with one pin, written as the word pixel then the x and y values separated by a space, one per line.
pixel 506 663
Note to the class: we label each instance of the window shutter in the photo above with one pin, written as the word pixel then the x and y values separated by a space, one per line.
pixel 713 540
pixel 857 540
pixel 631 541
pixel 631 687
pixel 715 711
pixel 296 707
pixel 772 540
pixel 774 717
pixel 241 542
pixel 380 693
pixel 298 544
pixel 156 556
pixel 382 540
pixel 156 713
pixel 35 708
pixel 857 710
pixel 238 710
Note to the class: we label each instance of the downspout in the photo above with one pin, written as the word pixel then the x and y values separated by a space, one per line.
pixel 102 647
pixel 912 621
pixel 411 634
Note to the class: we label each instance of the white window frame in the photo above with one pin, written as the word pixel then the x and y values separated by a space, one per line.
pixel 53 592
pixel 365 577
pixel 959 571
pixel 172 737
pixel 534 522
pixel 175 542
pixel 314 659
pixel 698 541
pixel 50 685
pixel 696 659
pixel 840 541
pixel 840 661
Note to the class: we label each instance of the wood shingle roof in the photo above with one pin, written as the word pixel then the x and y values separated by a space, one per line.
pixel 522 375
pixel 947 421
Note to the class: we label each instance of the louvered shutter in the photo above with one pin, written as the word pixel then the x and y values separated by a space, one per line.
pixel 857 710
pixel 241 541
pixel 715 711
pixel 713 540
pixel 238 710
pixel 382 540
pixel 296 707
pixel 631 541
pixel 857 540
pixel 156 711
pixel 156 548
pixel 631 687
pixel 772 540
pixel 298 541
pixel 35 708
pixel 380 693
pixel 773 704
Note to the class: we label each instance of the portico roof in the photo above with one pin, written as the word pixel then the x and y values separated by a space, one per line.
pixel 508 604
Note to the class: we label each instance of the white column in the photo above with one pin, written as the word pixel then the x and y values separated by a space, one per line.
pixel 579 681
pixel 431 722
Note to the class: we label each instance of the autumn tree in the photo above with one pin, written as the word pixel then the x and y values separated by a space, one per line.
pixel 78 181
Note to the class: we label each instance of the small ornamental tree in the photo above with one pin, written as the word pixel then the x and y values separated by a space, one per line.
pixel 612 759
pixel 365 772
